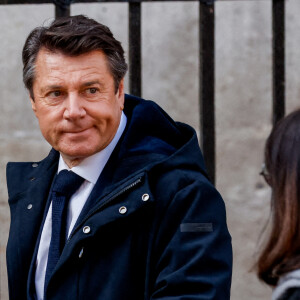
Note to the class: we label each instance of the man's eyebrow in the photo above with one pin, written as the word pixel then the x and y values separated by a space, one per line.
pixel 89 83
pixel 52 87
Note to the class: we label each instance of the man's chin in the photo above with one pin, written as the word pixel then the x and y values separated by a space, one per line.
pixel 76 154
pixel 79 151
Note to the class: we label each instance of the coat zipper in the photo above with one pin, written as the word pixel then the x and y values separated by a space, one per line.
pixel 128 187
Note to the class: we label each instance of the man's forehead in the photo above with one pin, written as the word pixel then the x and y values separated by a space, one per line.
pixel 86 65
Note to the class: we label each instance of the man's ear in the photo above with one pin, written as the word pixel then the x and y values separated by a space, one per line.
pixel 32 103
pixel 120 94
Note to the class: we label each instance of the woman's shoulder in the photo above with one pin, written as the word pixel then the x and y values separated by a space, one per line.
pixel 288 287
pixel 291 294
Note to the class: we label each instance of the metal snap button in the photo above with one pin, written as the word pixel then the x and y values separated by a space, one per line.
pixel 29 206
pixel 122 210
pixel 34 165
pixel 145 197
pixel 32 178
pixel 80 253
pixel 86 229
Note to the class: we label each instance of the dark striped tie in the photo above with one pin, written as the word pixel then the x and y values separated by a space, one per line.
pixel 65 185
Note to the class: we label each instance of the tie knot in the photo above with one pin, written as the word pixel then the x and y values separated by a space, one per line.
pixel 67 183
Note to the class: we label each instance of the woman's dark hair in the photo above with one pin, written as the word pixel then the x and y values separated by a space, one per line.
pixel 73 36
pixel 281 254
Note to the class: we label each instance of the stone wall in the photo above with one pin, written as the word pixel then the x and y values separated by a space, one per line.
pixel 170 77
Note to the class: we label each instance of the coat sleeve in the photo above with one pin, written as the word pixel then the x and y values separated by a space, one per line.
pixel 291 294
pixel 193 247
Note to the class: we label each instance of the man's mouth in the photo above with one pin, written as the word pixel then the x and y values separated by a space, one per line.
pixel 78 131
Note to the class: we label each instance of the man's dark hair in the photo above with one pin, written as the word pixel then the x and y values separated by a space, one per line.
pixel 73 36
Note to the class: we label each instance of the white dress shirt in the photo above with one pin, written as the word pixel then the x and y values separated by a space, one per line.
pixel 89 169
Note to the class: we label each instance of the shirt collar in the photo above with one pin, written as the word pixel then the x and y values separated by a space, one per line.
pixel 91 167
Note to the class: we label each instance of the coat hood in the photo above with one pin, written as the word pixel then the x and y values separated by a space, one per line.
pixel 152 134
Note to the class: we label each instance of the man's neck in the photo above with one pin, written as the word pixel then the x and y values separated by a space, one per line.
pixel 72 162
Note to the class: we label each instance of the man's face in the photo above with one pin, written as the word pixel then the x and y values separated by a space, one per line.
pixel 75 102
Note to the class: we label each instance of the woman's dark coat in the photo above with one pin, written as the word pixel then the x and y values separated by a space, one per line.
pixel 171 243
pixel 288 287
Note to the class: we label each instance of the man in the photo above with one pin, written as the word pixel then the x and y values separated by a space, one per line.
pixel 142 220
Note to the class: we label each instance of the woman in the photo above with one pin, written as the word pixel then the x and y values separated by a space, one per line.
pixel 279 262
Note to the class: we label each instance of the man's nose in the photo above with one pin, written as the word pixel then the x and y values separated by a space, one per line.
pixel 74 108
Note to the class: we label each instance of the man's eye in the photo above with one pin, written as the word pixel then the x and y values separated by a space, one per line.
pixel 92 90
pixel 55 94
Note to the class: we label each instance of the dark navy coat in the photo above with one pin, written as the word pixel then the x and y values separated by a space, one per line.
pixel 156 225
